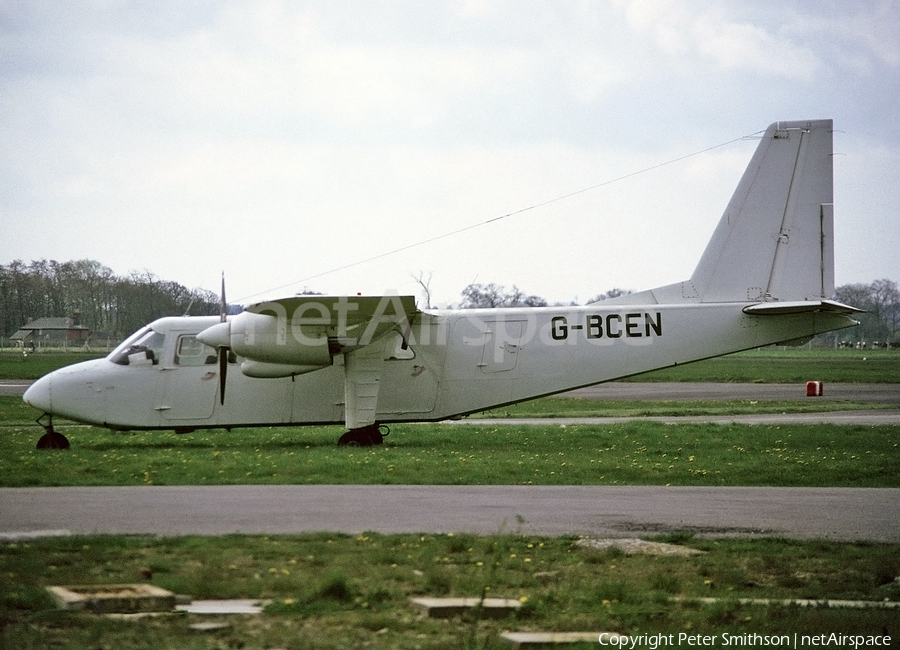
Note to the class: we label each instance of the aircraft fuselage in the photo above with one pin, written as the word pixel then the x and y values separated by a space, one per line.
pixel 456 362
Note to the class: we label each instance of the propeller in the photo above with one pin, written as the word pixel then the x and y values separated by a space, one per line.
pixel 223 350
pixel 218 337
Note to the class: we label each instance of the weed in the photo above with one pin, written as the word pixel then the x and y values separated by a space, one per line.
pixel 336 587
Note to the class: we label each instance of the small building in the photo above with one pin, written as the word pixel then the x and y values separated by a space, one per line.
pixel 54 332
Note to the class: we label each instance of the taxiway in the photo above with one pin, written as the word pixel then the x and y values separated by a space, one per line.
pixel 839 514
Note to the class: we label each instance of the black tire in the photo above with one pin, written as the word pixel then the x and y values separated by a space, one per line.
pixel 352 439
pixel 362 437
pixel 53 440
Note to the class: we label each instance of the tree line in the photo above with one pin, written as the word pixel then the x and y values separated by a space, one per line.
pixel 880 323
pixel 105 302
pixel 120 305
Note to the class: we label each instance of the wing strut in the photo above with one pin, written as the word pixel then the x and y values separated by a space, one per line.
pixel 362 380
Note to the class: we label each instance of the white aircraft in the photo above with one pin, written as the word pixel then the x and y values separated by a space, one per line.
pixel 766 276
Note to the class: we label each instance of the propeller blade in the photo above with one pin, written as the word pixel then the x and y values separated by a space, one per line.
pixel 223 370
pixel 223 350
pixel 223 306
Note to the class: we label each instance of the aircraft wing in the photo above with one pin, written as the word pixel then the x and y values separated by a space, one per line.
pixel 353 310
pixel 348 320
pixel 801 307
pixel 301 334
pixel 355 326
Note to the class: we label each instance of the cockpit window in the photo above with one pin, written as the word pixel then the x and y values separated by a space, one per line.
pixel 144 348
pixel 191 352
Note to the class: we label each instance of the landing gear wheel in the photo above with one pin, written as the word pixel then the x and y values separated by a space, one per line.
pixel 364 436
pixel 51 438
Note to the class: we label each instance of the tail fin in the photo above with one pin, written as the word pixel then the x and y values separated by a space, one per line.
pixel 776 238
pixel 775 241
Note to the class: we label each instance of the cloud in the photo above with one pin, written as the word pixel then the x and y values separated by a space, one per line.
pixel 684 29
pixel 292 138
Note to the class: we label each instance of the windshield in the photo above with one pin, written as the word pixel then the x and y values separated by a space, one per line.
pixel 142 348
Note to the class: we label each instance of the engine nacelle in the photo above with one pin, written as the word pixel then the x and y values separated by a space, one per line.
pixel 307 331
pixel 263 370
pixel 273 339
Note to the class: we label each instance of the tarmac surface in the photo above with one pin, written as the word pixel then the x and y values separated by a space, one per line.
pixel 14 386
pixel 839 514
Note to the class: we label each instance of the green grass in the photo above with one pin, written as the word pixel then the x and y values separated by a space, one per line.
pixel 784 366
pixel 633 453
pixel 16 365
pixel 338 591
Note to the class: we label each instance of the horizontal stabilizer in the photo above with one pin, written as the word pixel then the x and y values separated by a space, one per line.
pixel 801 307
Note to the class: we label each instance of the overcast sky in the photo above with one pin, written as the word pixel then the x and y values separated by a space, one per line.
pixel 277 141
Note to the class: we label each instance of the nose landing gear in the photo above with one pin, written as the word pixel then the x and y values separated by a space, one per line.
pixel 51 439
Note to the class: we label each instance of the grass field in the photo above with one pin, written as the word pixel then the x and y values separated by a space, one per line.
pixel 16 365
pixel 633 453
pixel 336 591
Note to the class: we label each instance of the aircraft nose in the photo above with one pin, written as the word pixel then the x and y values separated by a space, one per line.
pixel 71 392
pixel 40 395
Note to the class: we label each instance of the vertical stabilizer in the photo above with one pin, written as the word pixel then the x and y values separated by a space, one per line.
pixel 775 239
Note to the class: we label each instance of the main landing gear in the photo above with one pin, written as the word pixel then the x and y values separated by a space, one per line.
pixel 51 439
pixel 367 436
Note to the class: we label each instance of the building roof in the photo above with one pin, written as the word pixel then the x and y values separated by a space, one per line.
pixel 51 323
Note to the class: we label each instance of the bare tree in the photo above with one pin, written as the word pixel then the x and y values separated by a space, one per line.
pixel 425 284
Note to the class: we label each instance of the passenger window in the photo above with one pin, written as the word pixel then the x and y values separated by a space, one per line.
pixel 191 352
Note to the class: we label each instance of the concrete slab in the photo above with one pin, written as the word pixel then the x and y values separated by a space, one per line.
pixel 450 607
pixel 113 599
pixel 631 546
pixel 209 627
pixel 552 639
pixel 799 602
pixel 219 607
